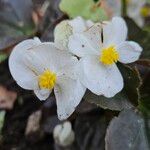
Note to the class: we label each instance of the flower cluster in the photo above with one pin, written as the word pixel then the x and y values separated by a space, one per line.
pixel 83 55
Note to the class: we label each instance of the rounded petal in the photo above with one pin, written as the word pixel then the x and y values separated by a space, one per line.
pixel 100 79
pixel 66 28
pixel 62 33
pixel 20 72
pixel 79 24
pixel 49 57
pixel 42 94
pixel 115 31
pixel 129 51
pixel 86 43
pixel 68 93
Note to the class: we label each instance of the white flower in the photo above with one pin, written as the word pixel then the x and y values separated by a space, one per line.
pixel 134 9
pixel 63 134
pixel 41 67
pixel 98 70
pixel 66 28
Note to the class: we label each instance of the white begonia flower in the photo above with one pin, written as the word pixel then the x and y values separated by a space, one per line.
pixel 98 70
pixel 67 28
pixel 135 9
pixel 63 134
pixel 41 67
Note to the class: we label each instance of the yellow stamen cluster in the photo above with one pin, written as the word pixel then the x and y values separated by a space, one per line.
pixel 145 11
pixel 47 80
pixel 109 55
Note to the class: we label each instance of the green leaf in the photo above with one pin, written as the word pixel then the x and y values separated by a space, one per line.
pixel 2 57
pixel 118 102
pixel 144 102
pixel 136 34
pixel 88 9
pixel 2 117
pixel 127 132
pixel 132 82
pixel 128 97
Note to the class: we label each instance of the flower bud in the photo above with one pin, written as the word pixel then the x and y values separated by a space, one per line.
pixel 63 134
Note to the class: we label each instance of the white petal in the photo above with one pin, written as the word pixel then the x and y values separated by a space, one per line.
pixel 29 84
pixel 36 60
pixel 86 43
pixel 115 31
pixel 89 23
pixel 70 70
pixel 100 79
pixel 79 24
pixel 94 36
pixel 62 33
pixel 42 94
pixel 49 57
pixel 66 28
pixel 18 69
pixel 129 51
pixel 68 94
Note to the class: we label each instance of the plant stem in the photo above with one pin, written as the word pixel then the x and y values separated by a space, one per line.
pixel 124 8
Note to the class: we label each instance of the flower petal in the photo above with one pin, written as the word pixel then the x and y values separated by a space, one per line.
pixel 86 43
pixel 49 57
pixel 29 84
pixel 115 31
pixel 100 79
pixel 42 94
pixel 20 72
pixel 79 24
pixel 68 94
pixel 62 33
pixel 66 28
pixel 129 51
pixel 70 70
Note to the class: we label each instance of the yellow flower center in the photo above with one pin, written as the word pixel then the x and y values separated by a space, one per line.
pixel 109 55
pixel 47 80
pixel 145 11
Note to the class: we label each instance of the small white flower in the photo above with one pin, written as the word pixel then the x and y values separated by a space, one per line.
pixel 41 67
pixel 134 9
pixel 63 134
pixel 98 70
pixel 66 28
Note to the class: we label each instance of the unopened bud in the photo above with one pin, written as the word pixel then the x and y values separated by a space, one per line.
pixel 63 134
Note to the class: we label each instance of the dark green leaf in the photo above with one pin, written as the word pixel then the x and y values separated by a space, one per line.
pixel 135 33
pixel 118 102
pixel 132 82
pixel 127 132
pixel 144 102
